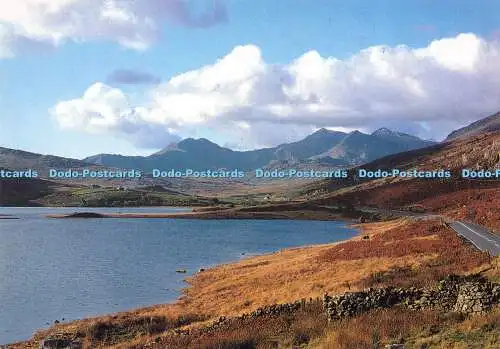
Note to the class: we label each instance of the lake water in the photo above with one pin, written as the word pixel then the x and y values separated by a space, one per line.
pixel 72 268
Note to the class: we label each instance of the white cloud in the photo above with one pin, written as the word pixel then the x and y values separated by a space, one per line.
pixel 103 109
pixel 131 23
pixel 248 101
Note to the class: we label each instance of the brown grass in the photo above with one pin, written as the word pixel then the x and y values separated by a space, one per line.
pixel 477 205
pixel 398 252
pixel 309 272
pixel 420 239
pixel 422 329
pixel 309 328
pixel 379 327
pixel 476 200
pixel 263 332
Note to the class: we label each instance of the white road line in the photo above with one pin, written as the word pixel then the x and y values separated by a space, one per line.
pixel 481 236
pixel 471 241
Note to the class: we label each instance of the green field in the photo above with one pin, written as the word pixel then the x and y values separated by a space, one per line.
pixel 120 197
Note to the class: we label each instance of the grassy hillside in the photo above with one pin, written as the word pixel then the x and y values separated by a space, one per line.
pixel 25 192
pixel 478 200
pixel 488 124
pixel 36 192
pixel 396 253
pixel 19 159
pixel 120 197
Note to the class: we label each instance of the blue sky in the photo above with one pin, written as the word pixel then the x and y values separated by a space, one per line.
pixel 35 78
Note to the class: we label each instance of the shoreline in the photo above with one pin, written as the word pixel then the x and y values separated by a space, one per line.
pixel 7 216
pixel 99 207
pixel 297 211
pixel 242 286
pixel 174 303
pixel 206 216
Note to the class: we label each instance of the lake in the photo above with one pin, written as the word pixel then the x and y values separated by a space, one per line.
pixel 52 269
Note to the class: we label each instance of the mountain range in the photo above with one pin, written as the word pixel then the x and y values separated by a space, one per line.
pixel 474 146
pixel 322 147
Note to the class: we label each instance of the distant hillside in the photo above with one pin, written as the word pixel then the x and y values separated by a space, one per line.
pixel 403 141
pixel 314 144
pixel 19 159
pixel 322 147
pixel 191 153
pixel 488 124
pixel 476 200
pixel 358 148
pixel 477 152
pixel 23 192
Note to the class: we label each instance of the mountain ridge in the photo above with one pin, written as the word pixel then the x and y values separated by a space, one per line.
pixel 488 124
pixel 15 159
pixel 203 154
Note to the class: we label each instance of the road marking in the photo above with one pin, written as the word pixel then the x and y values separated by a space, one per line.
pixel 481 236
pixel 456 228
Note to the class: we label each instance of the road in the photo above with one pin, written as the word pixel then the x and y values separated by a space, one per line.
pixel 479 236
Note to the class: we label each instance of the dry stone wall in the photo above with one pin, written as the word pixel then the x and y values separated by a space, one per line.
pixel 469 294
pixel 476 298
pixel 465 294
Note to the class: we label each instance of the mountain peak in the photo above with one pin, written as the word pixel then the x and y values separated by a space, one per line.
pixel 171 147
pixel 322 131
pixel 200 141
pixel 344 148
pixel 383 131
pixel 356 133
pixel 197 144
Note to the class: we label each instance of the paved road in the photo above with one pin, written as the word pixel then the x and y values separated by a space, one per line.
pixel 479 236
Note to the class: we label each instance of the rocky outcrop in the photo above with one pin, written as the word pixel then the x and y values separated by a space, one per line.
pixel 60 343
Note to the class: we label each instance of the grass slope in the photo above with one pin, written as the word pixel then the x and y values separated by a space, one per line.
pixel 399 252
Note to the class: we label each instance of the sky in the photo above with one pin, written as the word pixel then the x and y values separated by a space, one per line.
pixel 82 77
